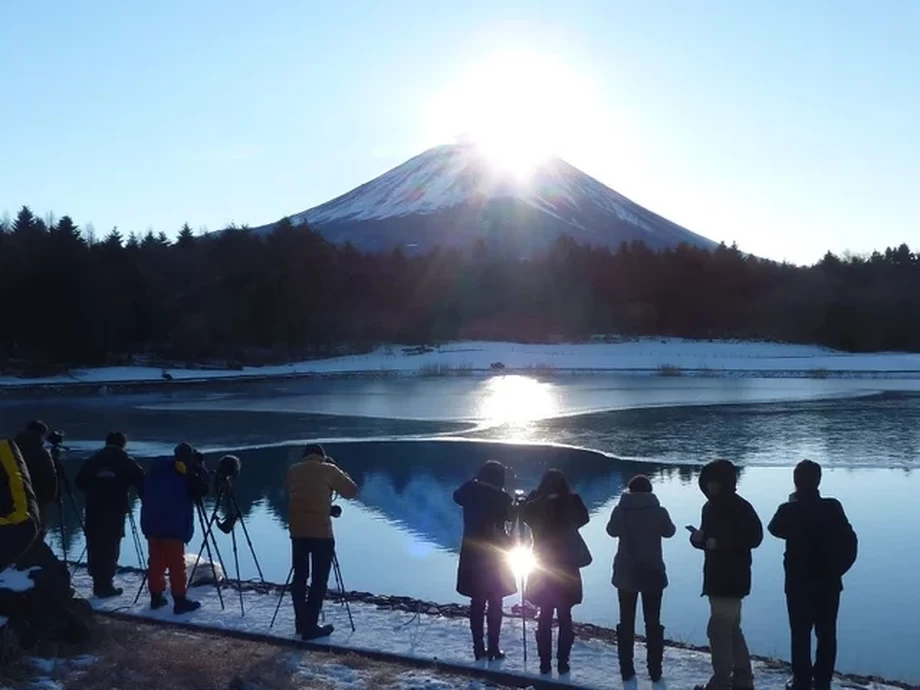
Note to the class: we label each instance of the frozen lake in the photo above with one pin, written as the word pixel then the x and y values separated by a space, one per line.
pixel 411 442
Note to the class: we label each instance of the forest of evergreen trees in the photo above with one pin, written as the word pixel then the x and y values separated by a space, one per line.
pixel 68 298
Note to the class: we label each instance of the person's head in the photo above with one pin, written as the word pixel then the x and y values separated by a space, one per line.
pixel 493 472
pixel 554 482
pixel 184 452
pixel 116 439
pixel 640 484
pixel 718 477
pixel 314 450
pixel 807 476
pixel 37 428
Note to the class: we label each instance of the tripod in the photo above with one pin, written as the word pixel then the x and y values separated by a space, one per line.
pixel 64 482
pixel 337 573
pixel 227 526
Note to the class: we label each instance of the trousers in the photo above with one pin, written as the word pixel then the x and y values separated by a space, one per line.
pixel 306 554
pixel 545 633
pixel 731 660
pixel 167 554
pixel 103 548
pixel 654 633
pixel 477 616
pixel 813 610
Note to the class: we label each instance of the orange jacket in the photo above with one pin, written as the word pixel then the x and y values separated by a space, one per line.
pixel 310 484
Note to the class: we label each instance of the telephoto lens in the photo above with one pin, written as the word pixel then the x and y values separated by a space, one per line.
pixel 56 438
pixel 228 468
pixel 335 511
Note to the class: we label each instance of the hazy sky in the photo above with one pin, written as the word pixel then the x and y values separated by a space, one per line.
pixel 789 126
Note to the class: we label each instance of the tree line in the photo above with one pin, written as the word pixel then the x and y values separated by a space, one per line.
pixel 68 298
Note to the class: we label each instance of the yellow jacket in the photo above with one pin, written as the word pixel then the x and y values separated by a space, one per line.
pixel 310 484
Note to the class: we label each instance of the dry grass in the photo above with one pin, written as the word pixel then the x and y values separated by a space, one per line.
pixel 670 370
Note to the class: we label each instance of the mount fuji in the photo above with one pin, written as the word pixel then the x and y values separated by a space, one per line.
pixel 453 196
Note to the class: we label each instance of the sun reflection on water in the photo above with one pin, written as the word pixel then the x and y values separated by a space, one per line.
pixel 517 400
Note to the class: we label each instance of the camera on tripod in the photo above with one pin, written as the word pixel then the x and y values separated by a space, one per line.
pixel 228 469
pixel 56 438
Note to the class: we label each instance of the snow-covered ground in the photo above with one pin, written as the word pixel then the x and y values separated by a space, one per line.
pixel 424 637
pixel 643 356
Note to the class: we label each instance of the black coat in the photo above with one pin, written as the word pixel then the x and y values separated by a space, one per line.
pixel 733 524
pixel 555 521
pixel 106 478
pixel 483 570
pixel 821 545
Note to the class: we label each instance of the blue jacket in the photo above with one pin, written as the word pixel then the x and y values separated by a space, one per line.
pixel 168 509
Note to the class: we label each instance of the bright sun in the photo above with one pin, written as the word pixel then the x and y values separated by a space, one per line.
pixel 522 561
pixel 518 108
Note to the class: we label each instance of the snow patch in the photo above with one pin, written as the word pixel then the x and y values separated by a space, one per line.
pixel 18 580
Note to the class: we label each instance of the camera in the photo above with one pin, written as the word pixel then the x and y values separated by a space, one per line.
pixel 335 511
pixel 228 468
pixel 56 438
pixel 519 497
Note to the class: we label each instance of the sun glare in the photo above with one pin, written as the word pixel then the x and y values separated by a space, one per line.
pixel 522 561
pixel 517 400
pixel 519 109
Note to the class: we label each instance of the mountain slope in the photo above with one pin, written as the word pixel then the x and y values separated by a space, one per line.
pixel 452 196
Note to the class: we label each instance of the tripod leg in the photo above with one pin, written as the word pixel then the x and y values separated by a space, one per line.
pixel 281 598
pixel 206 531
pixel 236 506
pixel 207 545
pixel 236 560
pixel 341 584
pixel 137 597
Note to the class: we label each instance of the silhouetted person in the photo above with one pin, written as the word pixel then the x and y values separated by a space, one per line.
pixel 31 442
pixel 106 478
pixel 640 522
pixel 171 490
pixel 821 547
pixel 19 515
pixel 310 484
pixel 729 531
pixel 483 572
pixel 555 515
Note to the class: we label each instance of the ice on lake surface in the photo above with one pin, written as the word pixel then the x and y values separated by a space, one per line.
pixel 431 434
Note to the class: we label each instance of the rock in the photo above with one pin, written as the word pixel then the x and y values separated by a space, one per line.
pixel 37 598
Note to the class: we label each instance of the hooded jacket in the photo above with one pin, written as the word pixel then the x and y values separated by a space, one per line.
pixel 732 522
pixel 639 522
pixel 19 513
pixel 106 478
pixel 821 545
pixel 483 570
pixel 171 490
pixel 41 470
pixel 310 484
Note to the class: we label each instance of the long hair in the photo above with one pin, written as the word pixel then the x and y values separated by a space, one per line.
pixel 554 482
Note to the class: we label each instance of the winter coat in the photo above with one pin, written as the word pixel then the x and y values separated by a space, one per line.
pixel 106 478
pixel 554 521
pixel 20 521
pixel 310 484
pixel 821 545
pixel 732 522
pixel 42 471
pixel 640 522
pixel 168 503
pixel 483 570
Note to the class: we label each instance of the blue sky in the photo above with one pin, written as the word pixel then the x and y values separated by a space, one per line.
pixel 789 126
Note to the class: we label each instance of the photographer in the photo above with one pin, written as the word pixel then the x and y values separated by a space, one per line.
pixel 171 490
pixel 106 478
pixel 19 516
pixel 31 442
pixel 310 484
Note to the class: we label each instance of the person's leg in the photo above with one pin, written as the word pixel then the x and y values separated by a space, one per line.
pixel 178 575
pixel 107 547
pixel 798 605
pixel 321 553
pixel 477 626
pixel 626 632
pixel 723 620
pixel 654 633
pixel 494 616
pixel 545 638
pixel 566 638
pixel 301 571
pixel 826 609
pixel 156 568
pixel 742 673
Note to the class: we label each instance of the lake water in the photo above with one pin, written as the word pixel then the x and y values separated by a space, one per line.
pixel 410 442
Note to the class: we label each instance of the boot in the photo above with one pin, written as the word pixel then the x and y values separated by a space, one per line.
pixel 625 642
pixel 185 605
pixel 317 632
pixel 477 629
pixel 566 640
pixel 654 644
pixel 107 590
pixel 545 649
pixel 157 601
pixel 495 631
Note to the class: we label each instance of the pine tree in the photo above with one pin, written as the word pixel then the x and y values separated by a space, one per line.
pixel 186 238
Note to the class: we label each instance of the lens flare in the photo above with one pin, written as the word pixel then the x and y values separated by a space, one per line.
pixel 522 561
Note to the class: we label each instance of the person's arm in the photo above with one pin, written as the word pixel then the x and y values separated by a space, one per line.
pixel 780 526
pixel 698 538
pixel 198 484
pixel 340 481
pixel 845 540
pixel 86 474
pixel 615 524
pixel 460 494
pixel 668 529
pixel 44 476
pixel 746 532
pixel 579 511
